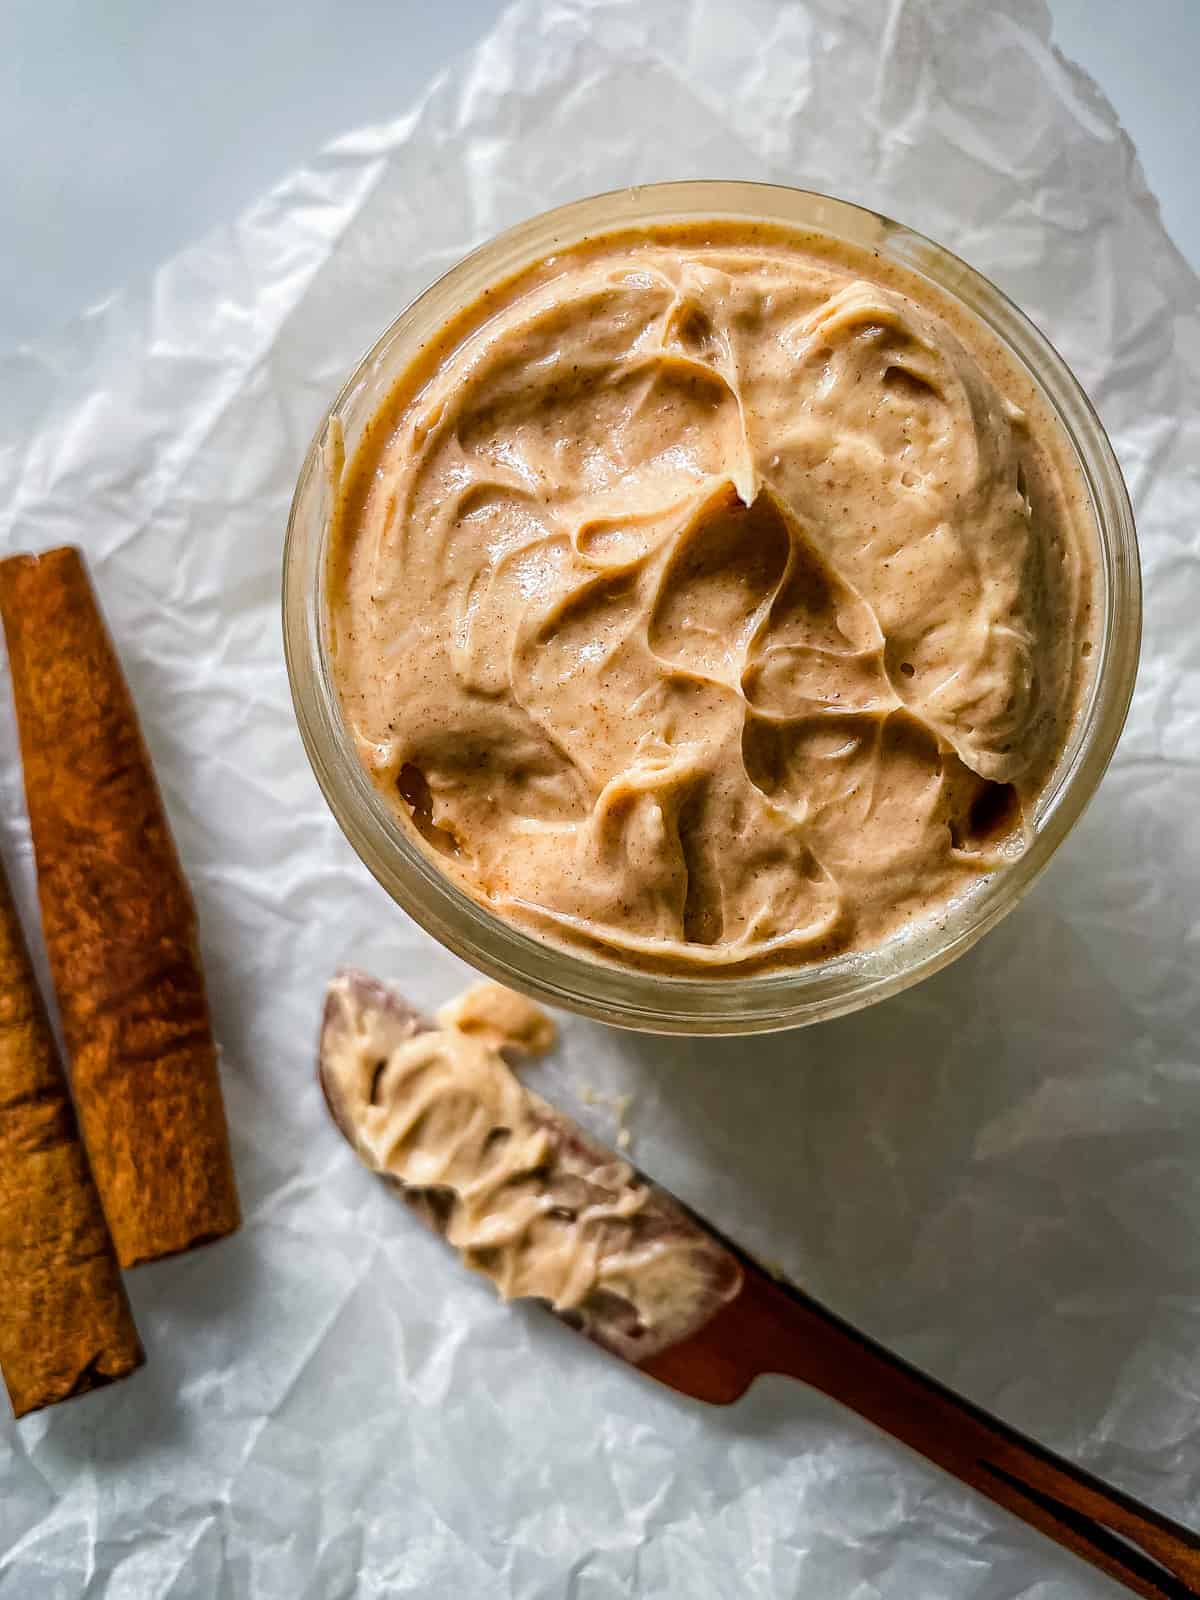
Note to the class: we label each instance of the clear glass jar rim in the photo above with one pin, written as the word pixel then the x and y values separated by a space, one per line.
pixel 732 1003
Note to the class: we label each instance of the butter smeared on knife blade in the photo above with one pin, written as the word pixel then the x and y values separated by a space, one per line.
pixel 521 1192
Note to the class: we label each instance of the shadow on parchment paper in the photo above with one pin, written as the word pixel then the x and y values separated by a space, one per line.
pixel 178 1305
pixel 138 1418
pixel 940 1168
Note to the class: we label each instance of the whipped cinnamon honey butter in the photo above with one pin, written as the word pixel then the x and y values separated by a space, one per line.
pixel 523 1194
pixel 712 597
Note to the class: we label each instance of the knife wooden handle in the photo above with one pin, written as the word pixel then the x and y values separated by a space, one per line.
pixel 773 1327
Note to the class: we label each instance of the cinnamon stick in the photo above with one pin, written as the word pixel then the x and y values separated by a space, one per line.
pixel 119 923
pixel 65 1326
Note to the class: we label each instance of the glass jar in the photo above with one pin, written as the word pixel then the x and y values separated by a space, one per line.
pixel 600 988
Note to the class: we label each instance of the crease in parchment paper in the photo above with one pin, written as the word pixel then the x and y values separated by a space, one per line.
pixel 994 1173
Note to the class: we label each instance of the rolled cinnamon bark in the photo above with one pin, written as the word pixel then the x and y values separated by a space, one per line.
pixel 119 923
pixel 65 1323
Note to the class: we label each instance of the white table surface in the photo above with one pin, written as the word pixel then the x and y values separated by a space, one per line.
pixel 132 128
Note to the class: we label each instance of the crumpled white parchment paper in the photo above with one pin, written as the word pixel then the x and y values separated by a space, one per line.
pixel 996 1173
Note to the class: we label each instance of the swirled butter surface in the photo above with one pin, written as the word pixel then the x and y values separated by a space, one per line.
pixel 522 1193
pixel 713 597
